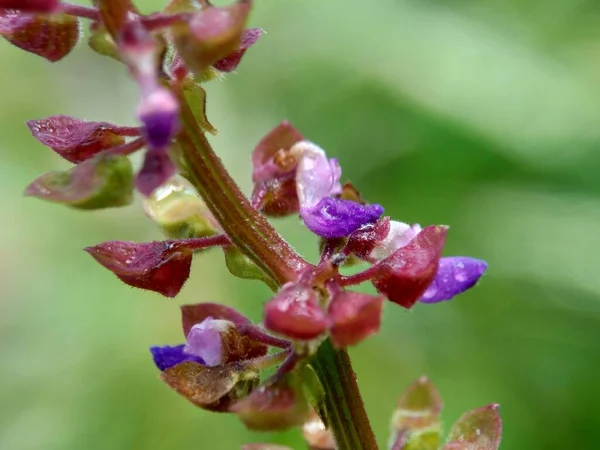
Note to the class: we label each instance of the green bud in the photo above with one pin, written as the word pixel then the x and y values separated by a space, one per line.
pixel 242 267
pixel 101 42
pixel 179 212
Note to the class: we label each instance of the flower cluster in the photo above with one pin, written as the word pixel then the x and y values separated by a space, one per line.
pixel 170 55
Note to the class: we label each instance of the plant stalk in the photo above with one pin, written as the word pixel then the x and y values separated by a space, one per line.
pixel 253 235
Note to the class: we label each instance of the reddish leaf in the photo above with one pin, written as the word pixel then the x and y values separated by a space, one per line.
pixel 101 182
pixel 479 429
pixel 404 276
pixel 49 36
pixel 161 267
pixel 273 407
pixel 212 388
pixel 271 158
pixel 354 317
pixel 77 140
pixel 295 313
pixel 230 62
pixel 40 6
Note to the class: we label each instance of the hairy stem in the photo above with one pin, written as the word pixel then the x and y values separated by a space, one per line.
pixel 253 235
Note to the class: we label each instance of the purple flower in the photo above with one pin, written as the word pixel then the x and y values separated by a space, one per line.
pixel 455 274
pixel 167 356
pixel 205 340
pixel 317 180
pixel 159 112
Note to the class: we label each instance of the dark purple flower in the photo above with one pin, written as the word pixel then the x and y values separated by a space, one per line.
pixel 334 218
pixel 455 274
pixel 159 112
pixel 167 356
pixel 317 179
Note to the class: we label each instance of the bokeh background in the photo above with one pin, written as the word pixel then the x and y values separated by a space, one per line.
pixel 480 115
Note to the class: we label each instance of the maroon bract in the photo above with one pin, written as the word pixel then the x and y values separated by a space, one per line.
pixel 230 62
pixel 39 6
pixel 404 276
pixel 354 316
pixel 156 266
pixel 295 313
pixel 194 314
pixel 49 36
pixel 77 140
pixel 274 407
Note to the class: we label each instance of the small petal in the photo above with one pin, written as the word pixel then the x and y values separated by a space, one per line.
pixel 230 62
pixel 156 170
pixel 212 388
pixel 295 313
pixel 77 140
pixel 404 276
pixel 194 314
pixel 479 429
pixel 354 317
pixel 205 340
pixel 317 177
pixel 104 181
pixel 455 274
pixel 159 112
pixel 167 356
pixel 40 6
pixel 274 407
pixel 161 267
pixel 399 235
pixel 334 218
pixel 50 36
pixel 266 164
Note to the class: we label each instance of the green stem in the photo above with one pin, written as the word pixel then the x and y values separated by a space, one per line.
pixel 254 236
pixel 342 402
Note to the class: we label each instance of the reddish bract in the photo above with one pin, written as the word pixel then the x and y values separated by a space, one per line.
pixel 354 317
pixel 404 276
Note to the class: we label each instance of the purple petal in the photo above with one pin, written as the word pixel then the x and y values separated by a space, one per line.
pixel 316 176
pixel 456 274
pixel 156 170
pixel 205 341
pixel 333 218
pixel 167 356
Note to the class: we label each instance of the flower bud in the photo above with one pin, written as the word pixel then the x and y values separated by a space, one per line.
pixel 161 267
pixel 179 211
pixel 211 34
pixel 479 429
pixel 354 317
pixel 101 182
pixel 50 36
pixel 404 276
pixel 77 140
pixel 159 112
pixel 212 340
pixel 295 313
pixel 416 421
pixel 274 407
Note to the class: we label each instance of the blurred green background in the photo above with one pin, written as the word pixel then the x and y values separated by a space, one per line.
pixel 478 114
